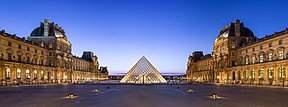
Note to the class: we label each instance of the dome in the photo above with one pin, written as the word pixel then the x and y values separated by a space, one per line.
pixel 230 30
pixel 48 29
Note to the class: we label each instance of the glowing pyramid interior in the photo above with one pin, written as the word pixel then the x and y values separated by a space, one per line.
pixel 143 72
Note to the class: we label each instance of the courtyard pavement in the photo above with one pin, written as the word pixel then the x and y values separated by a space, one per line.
pixel 142 96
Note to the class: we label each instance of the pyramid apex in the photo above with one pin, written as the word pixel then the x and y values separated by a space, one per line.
pixel 143 72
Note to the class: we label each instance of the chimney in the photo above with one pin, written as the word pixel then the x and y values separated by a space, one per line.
pixel 46 27
pixel 237 28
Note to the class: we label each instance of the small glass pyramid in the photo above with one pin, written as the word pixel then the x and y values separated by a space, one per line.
pixel 143 72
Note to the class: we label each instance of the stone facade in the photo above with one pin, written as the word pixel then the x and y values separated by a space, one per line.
pixel 45 57
pixel 202 64
pixel 239 57
pixel 103 72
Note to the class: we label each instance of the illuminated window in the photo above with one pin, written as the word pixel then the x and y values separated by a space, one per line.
pixel 35 74
pixel 18 75
pixel 253 73
pixel 280 55
pixel 27 74
pixel 42 74
pixel 246 74
pixel 270 57
pixel 253 59
pixel 281 72
pixel 8 73
pixel 247 60
pixel 261 73
pixel 270 72
pixel 261 58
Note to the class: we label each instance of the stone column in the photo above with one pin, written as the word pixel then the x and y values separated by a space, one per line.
pixel 257 76
pixel 266 76
pixel 14 75
pixel 22 74
pixel 275 76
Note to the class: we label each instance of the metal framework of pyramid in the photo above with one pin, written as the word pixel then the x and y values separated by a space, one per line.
pixel 143 72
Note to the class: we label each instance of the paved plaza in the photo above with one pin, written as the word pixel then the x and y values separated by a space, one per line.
pixel 143 96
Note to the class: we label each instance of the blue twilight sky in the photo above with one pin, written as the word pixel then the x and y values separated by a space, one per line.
pixel 120 32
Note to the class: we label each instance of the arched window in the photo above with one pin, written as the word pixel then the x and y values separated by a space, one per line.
pixel 18 75
pixel 261 73
pixel 281 72
pixel 246 74
pixel 28 74
pixel 253 59
pixel 270 57
pixel 42 74
pixel 270 72
pixel 35 74
pixel 247 60
pixel 8 73
pixel 253 73
pixel 280 55
pixel 261 58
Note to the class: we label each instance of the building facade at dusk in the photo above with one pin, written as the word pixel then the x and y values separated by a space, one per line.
pixel 240 57
pixel 45 57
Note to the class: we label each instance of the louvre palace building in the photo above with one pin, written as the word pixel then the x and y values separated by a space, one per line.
pixel 239 57
pixel 44 57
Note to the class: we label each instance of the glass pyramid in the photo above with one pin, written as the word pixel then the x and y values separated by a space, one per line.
pixel 143 72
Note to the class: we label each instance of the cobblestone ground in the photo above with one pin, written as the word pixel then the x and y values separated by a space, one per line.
pixel 142 96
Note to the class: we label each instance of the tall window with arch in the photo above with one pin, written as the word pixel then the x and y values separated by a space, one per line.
pixel 35 74
pixel 18 74
pixel 42 75
pixel 247 60
pixel 261 58
pixel 246 74
pixel 27 74
pixel 253 73
pixel 270 56
pixel 280 55
pixel 270 72
pixel 261 73
pixel 281 72
pixel 8 73
pixel 253 59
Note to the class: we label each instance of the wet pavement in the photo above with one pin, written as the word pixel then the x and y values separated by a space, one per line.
pixel 143 96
